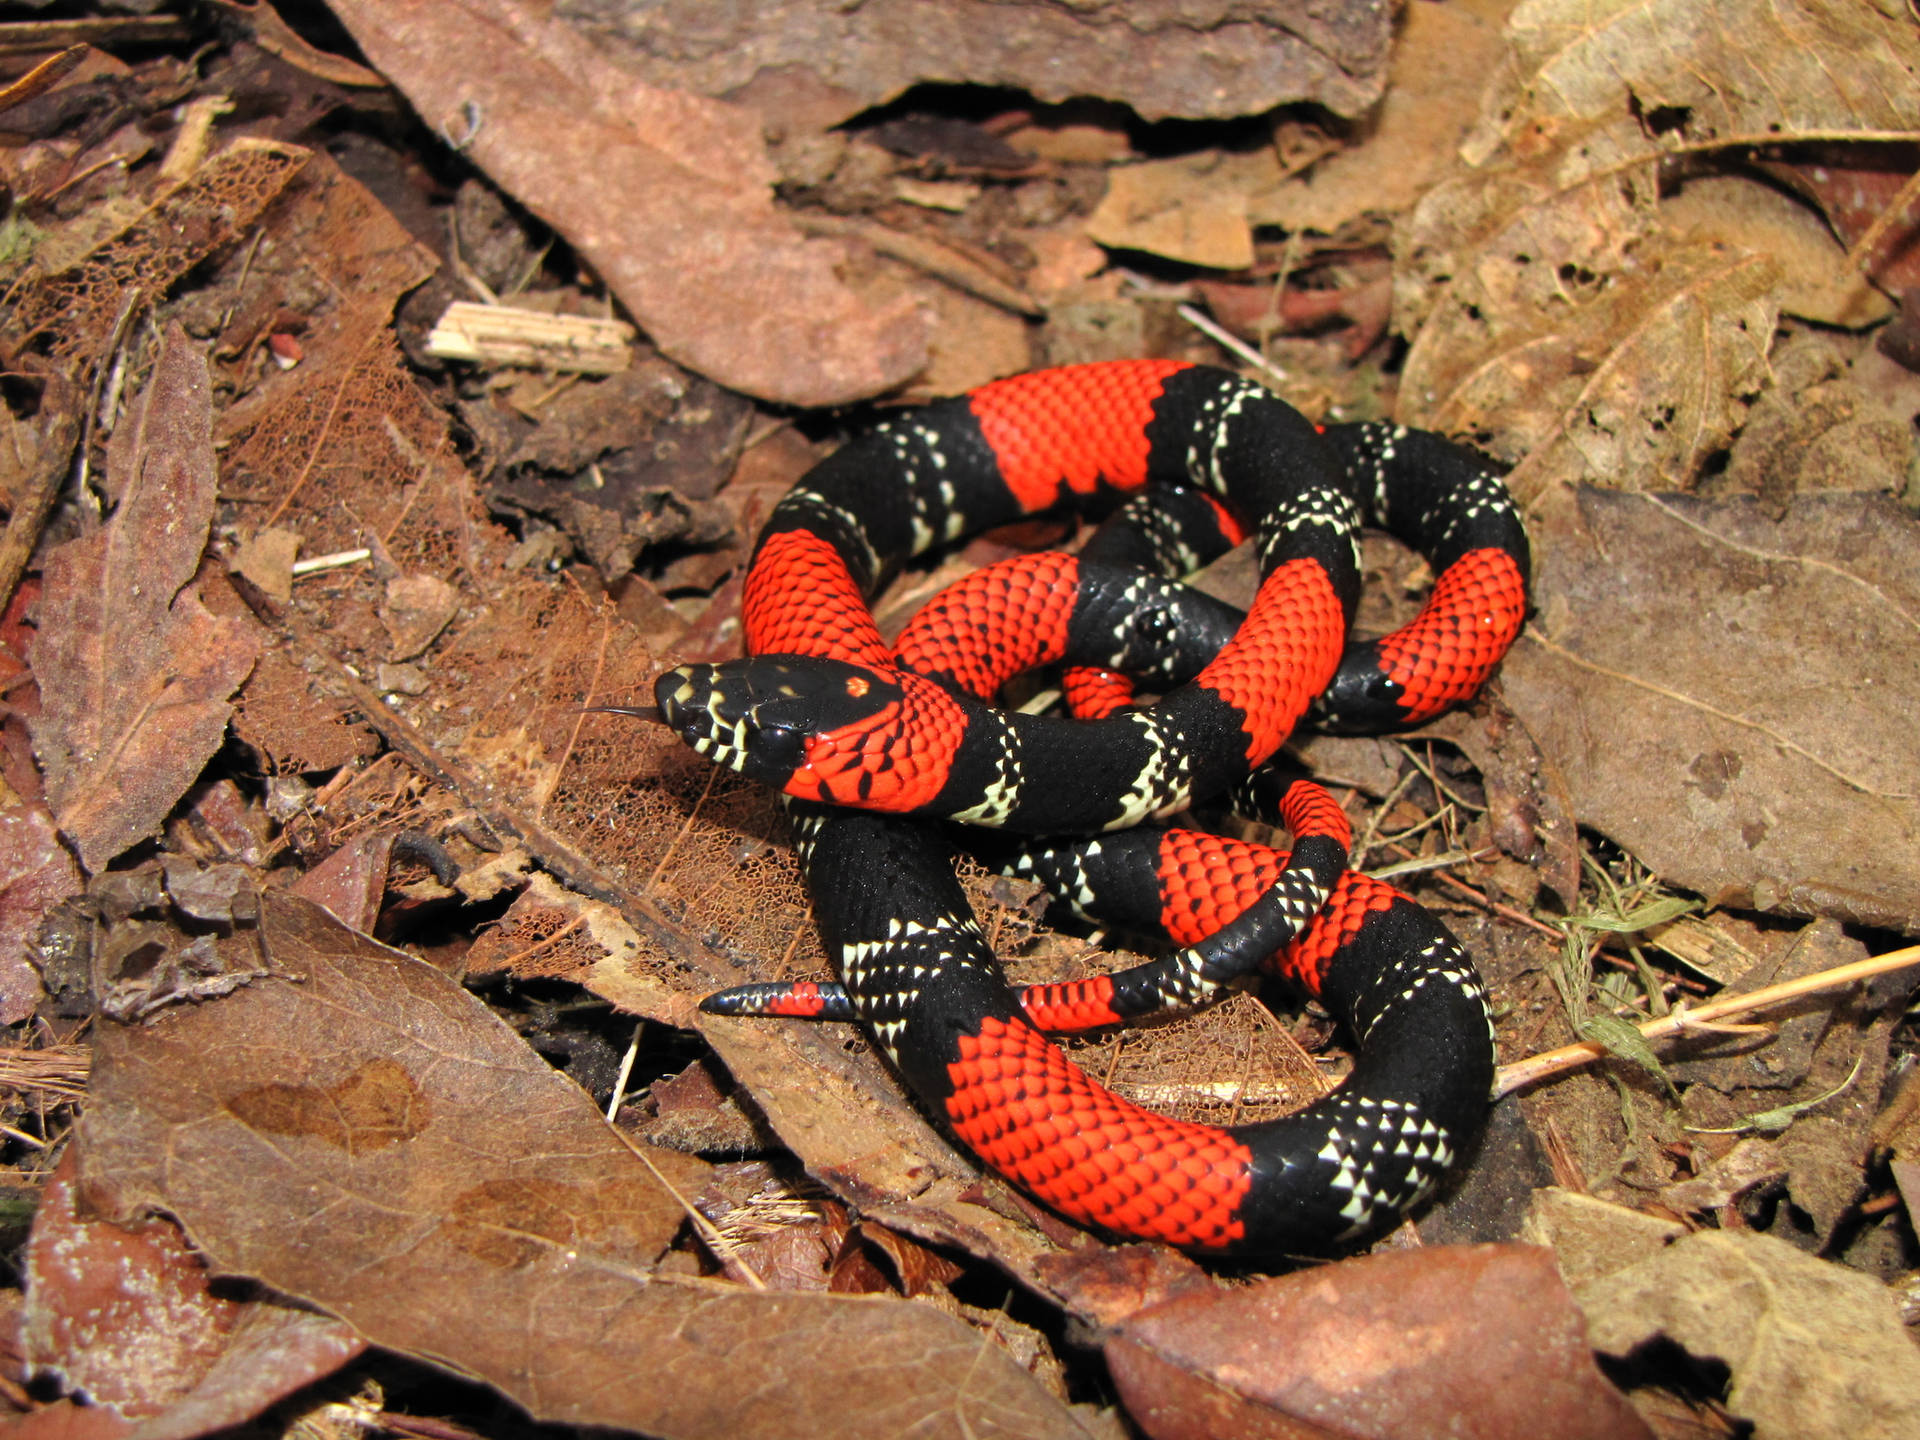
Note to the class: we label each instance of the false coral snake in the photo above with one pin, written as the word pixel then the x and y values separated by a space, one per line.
pixel 824 710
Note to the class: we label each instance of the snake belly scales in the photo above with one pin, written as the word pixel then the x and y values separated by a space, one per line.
pixel 881 749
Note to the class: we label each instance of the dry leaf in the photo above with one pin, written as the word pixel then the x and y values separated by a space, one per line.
pixel 1634 383
pixel 124 1315
pixel 1662 76
pixel 1816 282
pixel 1591 1237
pixel 678 215
pixel 1550 319
pixel 135 672
pixel 1817 1351
pixel 372 1139
pixel 1192 209
pixel 1715 688
pixel 1440 63
pixel 1467 1342
pixel 36 873
pixel 267 559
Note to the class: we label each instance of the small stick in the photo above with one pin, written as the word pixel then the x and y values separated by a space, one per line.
pixel 330 562
pixel 1684 1018
pixel 1227 340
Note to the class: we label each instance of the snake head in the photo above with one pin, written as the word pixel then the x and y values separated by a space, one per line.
pixel 816 728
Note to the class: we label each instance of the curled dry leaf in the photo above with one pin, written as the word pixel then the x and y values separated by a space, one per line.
pixel 1477 1341
pixel 124 1314
pixel 1716 690
pixel 1817 1351
pixel 666 194
pixel 135 672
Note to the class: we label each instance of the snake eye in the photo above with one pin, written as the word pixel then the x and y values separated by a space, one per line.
pixel 780 745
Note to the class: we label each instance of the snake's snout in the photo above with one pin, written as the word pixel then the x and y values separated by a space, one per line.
pixel 723 712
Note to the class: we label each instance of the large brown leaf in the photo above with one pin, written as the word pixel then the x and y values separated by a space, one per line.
pixel 135 672
pixel 1471 1342
pixel 667 195
pixel 1725 694
pixel 371 1139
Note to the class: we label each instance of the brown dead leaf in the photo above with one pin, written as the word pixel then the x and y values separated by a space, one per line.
pixel 1549 315
pixel 678 216
pixel 1817 1351
pixel 1856 188
pixel 135 672
pixel 1816 282
pixel 351 882
pixel 36 873
pixel 267 559
pixel 1816 427
pixel 1716 688
pixel 1460 1341
pixel 1192 209
pixel 1634 383
pixel 1637 80
pixel 1590 1237
pixel 124 1315
pixel 371 1139
pixel 1440 63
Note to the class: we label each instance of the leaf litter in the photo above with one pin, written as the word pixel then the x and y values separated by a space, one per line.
pixel 1593 287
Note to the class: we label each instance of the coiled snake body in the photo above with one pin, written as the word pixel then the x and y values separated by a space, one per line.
pixel 862 737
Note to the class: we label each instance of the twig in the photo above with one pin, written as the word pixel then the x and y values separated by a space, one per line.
pixel 1230 342
pixel 43 77
pixel 942 262
pixel 1684 1018
pixel 329 562
pixel 626 1072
